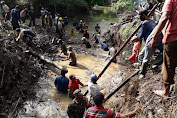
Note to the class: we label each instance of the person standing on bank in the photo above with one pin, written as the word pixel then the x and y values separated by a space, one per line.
pixel 15 18
pixel 169 16
pixel 32 16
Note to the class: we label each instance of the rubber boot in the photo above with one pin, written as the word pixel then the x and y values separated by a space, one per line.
pixel 143 70
pixel 15 33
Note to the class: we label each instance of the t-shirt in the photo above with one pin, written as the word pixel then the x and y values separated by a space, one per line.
pixel 23 13
pixel 171 29
pixel 5 8
pixel 93 88
pixel 62 83
pixel 112 52
pixel 146 29
pixel 100 112
pixel 75 84
pixel 26 33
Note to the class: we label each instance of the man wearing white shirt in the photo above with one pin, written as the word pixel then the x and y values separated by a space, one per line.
pixel 93 87
pixel 6 10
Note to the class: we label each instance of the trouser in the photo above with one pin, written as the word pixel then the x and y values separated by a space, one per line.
pixel 169 62
pixel 148 52
pixel 32 20
pixel 23 19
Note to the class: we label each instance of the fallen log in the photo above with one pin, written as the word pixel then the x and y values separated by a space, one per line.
pixel 46 60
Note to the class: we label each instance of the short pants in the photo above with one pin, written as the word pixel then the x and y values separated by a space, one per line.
pixel 15 25
pixel 169 62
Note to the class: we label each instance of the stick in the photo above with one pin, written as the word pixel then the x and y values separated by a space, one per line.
pixel 121 85
pixel 10 116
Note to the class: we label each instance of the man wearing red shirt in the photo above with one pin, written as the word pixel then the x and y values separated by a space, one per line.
pixel 169 16
pixel 98 111
pixel 73 85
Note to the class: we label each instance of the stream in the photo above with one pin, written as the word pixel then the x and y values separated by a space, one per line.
pixel 49 103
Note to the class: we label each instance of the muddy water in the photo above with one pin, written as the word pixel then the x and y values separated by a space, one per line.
pixel 49 103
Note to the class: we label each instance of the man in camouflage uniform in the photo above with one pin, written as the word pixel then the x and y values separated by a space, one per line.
pixel 77 107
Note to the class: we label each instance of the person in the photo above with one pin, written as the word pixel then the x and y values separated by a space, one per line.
pixel 93 87
pixel 63 47
pixel 56 22
pixel 32 16
pixel 85 26
pixel 135 50
pixel 71 56
pixel 148 5
pixel 23 14
pixel 61 82
pixel 95 39
pixel 1 14
pixel 72 33
pixel 75 23
pixel 6 10
pixel 15 18
pixel 81 27
pixel 78 106
pixel 97 28
pixel 21 33
pixel 86 34
pixel 169 16
pixel 50 20
pixel 112 52
pixel 46 21
pixel 98 111
pixel 104 46
pixel 60 27
pixel 148 52
pixel 66 21
pixel 77 27
pixel 74 84
pixel 87 44
pixel 43 13
pixel 147 26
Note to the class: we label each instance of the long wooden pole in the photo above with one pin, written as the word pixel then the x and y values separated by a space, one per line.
pixel 124 44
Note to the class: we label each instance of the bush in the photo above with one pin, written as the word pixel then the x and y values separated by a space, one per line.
pixel 124 5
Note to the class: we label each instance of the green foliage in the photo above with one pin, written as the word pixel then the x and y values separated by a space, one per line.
pixel 123 5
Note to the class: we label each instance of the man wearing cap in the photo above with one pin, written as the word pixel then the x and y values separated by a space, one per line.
pixel 71 56
pixel 61 82
pixel 63 47
pixel 98 111
pixel 93 87
pixel 15 18
pixel 77 107
pixel 60 27
pixel 74 84
pixel 87 44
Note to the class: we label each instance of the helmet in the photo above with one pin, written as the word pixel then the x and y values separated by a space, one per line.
pixel 60 18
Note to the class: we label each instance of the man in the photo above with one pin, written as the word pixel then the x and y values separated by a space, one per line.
pixel 87 44
pixel 61 82
pixel 32 16
pixel 71 56
pixel 63 47
pixel 23 14
pixel 86 34
pixel 112 52
pixel 97 28
pixel 6 10
pixel 104 46
pixel 24 33
pixel 77 108
pixel 15 18
pixel 147 26
pixel 73 85
pixel 148 52
pixel 169 13
pixel 46 21
pixel 60 27
pixel 93 87
pixel 98 111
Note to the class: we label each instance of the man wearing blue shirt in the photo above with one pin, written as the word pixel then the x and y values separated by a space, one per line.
pixel 61 82
pixel 15 18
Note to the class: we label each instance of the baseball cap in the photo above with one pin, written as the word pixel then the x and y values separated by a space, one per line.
pixel 93 77
pixel 77 92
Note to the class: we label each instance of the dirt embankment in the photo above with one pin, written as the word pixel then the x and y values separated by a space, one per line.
pixel 140 91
